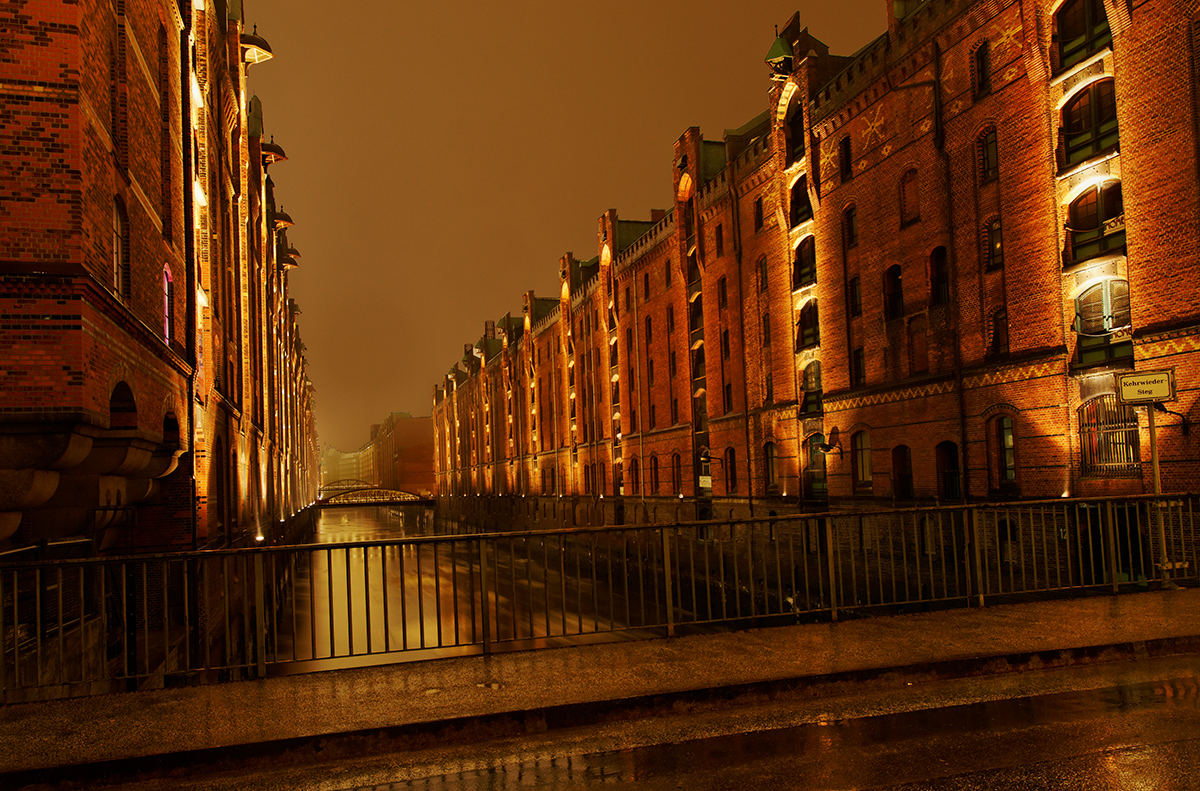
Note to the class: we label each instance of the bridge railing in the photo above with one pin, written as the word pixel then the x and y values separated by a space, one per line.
pixel 90 626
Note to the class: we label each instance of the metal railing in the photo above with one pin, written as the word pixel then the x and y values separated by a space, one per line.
pixel 89 626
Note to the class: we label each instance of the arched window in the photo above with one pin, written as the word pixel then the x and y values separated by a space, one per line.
pixel 815 485
pixel 993 244
pixel 1082 29
pixel 676 474
pixel 1096 222
pixel 634 480
pixel 808 331
pixel 946 462
pixel 722 294
pixel 766 329
pixel 910 206
pixel 804 263
pixel 981 70
pixel 918 346
pixel 854 296
pixel 801 206
pixel 902 477
pixel 1089 122
pixel 122 408
pixel 893 293
pixel 731 473
pixel 649 333
pixel 120 250
pixel 1100 311
pixel 812 389
pixel 168 306
pixel 1108 439
pixel 939 277
pixel 860 461
pixel 795 133
pixel 762 274
pixel 850 226
pixel 771 467
pixel 653 475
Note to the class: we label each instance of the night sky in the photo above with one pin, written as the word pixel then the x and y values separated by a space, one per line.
pixel 444 155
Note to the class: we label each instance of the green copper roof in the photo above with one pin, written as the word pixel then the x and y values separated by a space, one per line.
pixel 779 49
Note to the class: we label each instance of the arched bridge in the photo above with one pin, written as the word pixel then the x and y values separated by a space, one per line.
pixel 355 492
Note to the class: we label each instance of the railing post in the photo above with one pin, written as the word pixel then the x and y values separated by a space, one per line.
pixel 669 598
pixel 976 540
pixel 483 597
pixel 260 616
pixel 1110 533
pixel 833 599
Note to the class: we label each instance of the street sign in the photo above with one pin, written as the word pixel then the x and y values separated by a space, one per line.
pixel 1144 387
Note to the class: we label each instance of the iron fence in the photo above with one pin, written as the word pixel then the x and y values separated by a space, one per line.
pixel 96 625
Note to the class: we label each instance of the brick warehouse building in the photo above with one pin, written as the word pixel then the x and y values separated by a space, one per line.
pixel 912 278
pixel 153 392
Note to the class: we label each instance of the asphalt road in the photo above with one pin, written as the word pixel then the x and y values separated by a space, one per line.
pixel 1121 726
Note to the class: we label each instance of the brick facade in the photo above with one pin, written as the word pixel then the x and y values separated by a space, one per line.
pixel 970 228
pixel 143 298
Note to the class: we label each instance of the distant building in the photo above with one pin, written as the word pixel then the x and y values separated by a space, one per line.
pixel 398 456
pixel 153 393
pixel 914 278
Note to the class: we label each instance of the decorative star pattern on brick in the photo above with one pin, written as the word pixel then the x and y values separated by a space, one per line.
pixel 873 127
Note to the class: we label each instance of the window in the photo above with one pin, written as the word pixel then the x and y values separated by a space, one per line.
pixel 676 474
pixel 769 396
pixel 762 273
pixel 801 207
pixel 168 306
pixel 758 214
pixel 674 411
pixel 1082 30
pixel 650 370
pixel 731 475
pixel 728 397
pixel 1101 311
pixel 771 467
pixel 999 343
pixel 854 293
pixel 845 162
pixel 918 348
pixel 945 458
pixel 1089 122
pixel 766 329
pixel 720 240
pixel 993 253
pixel 1006 451
pixel 812 389
pixel 667 274
pixel 795 133
pixel 671 366
pixel 1096 222
pixel 670 319
pixel 722 294
pixel 910 207
pixel 814 479
pixel 649 333
pixel 725 344
pixel 858 368
pixel 893 293
pixel 653 475
pixel 989 156
pixel 628 303
pixel 981 68
pixel 902 478
pixel 804 264
pixel 120 250
pixel 860 461
pixel 850 226
pixel 653 417
pixel 939 277
pixel 1108 439
pixel 808 331
pixel 634 482
pixel 645 286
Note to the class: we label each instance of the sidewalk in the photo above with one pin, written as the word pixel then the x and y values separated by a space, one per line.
pixel 472 697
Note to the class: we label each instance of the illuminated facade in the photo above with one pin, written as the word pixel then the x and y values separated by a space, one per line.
pixel 913 278
pixel 398 456
pixel 154 393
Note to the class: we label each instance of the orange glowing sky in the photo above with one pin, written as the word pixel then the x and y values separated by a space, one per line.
pixel 444 155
